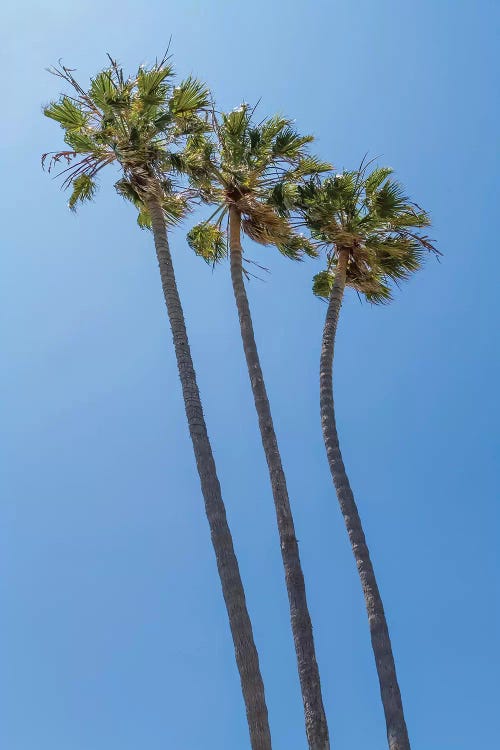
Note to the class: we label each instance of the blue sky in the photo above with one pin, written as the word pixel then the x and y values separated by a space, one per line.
pixel 114 630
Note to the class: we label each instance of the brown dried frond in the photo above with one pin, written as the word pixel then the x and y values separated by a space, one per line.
pixel 261 222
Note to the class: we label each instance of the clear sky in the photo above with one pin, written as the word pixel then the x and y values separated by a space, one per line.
pixel 114 633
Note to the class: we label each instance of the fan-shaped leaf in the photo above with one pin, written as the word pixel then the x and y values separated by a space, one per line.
pixel 151 84
pixel 376 178
pixel 288 143
pixel 81 141
pixel 68 114
pixel 102 89
pixel 208 241
pixel 144 218
pixel 189 97
pixel 296 246
pixel 84 189
pixel 322 284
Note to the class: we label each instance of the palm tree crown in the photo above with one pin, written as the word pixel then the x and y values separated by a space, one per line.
pixel 240 169
pixel 138 122
pixel 369 216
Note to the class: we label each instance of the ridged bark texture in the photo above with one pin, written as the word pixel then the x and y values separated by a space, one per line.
pixel 232 587
pixel 315 719
pixel 397 733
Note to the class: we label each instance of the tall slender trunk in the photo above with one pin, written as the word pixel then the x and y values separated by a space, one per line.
pixel 316 725
pixel 397 733
pixel 232 587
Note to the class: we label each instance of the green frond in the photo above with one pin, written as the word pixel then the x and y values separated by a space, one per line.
pixel 296 246
pixel 189 124
pixel 396 257
pixel 163 121
pixel 344 187
pixel 288 143
pixel 189 97
pixel 376 178
pixel 127 191
pixel 273 126
pixel 409 217
pixel 322 284
pixel 380 296
pixel 255 139
pixel 175 207
pixel 84 189
pixel 152 84
pixel 235 126
pixel 109 91
pixel 175 161
pixel 81 141
pixel 246 165
pixel 144 218
pixel 102 89
pixel 283 197
pixel 208 241
pixel 389 200
pixel 68 114
pixel 308 166
pixel 200 148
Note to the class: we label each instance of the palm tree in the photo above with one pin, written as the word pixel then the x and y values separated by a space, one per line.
pixel 237 173
pixel 139 125
pixel 372 235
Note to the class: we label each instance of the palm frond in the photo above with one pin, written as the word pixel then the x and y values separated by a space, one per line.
pixel 84 189
pixel 208 241
pixel 102 89
pixel 144 220
pixel 322 284
pixel 175 207
pixel 189 97
pixel 126 189
pixel 235 127
pixel 272 127
pixel 288 144
pixel 389 200
pixel 379 296
pixel 81 141
pixel 152 84
pixel 376 178
pixel 68 114
pixel 283 196
pixel 308 166
pixel 296 246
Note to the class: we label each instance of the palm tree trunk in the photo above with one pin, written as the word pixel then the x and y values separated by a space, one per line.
pixel 316 725
pixel 397 733
pixel 232 587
